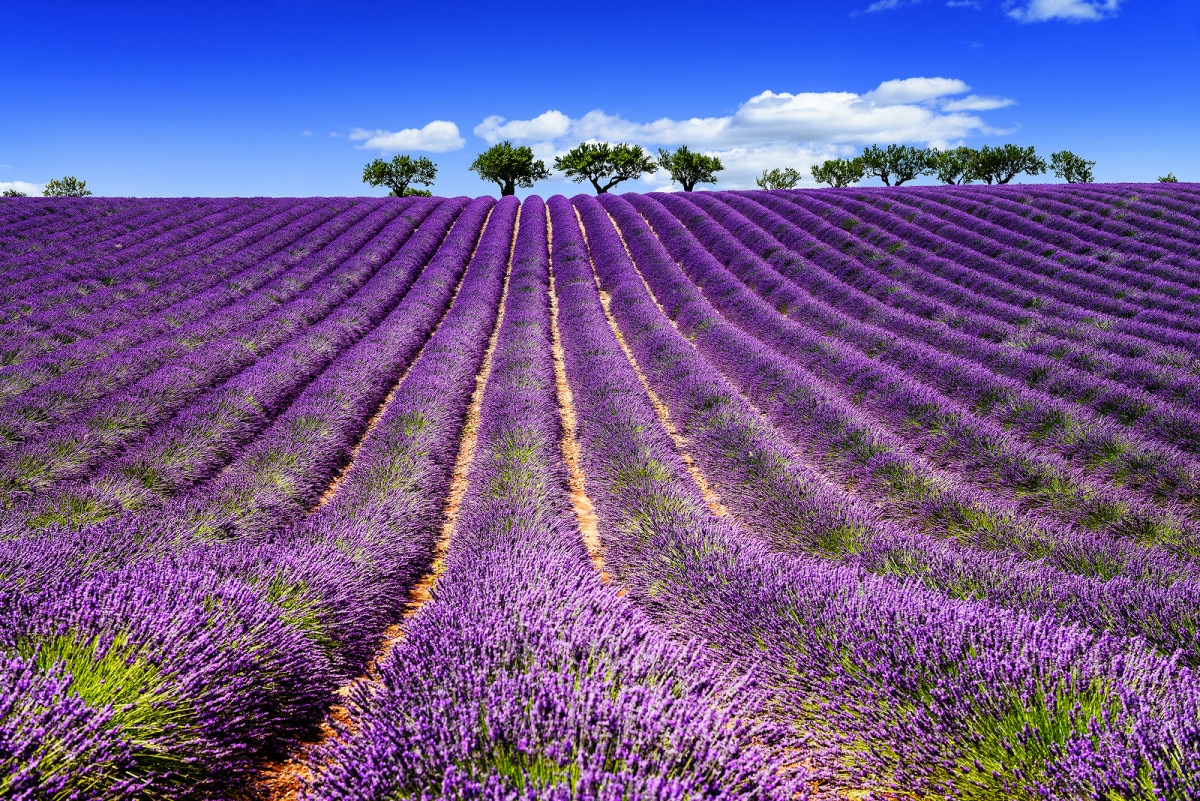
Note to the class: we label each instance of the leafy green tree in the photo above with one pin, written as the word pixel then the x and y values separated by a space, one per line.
pixel 899 162
pixel 690 168
pixel 400 174
pixel 13 193
pixel 605 165
pixel 69 186
pixel 1071 168
pixel 952 166
pixel 509 167
pixel 1000 164
pixel 777 178
pixel 1169 178
pixel 839 172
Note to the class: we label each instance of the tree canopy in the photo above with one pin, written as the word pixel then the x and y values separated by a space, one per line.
pixel 400 173
pixel 952 166
pixel 605 165
pixel 1169 178
pixel 509 167
pixel 12 193
pixel 839 172
pixel 68 186
pixel 896 164
pixel 689 168
pixel 1072 168
pixel 1000 164
pixel 777 178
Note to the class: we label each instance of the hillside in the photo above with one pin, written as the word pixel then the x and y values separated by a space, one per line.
pixel 746 495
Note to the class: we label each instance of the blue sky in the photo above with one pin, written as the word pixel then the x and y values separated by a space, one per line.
pixel 294 97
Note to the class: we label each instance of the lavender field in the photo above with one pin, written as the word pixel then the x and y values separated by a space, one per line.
pixel 859 493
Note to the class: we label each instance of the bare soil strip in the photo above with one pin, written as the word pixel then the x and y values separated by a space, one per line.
pixel 664 414
pixel 284 780
pixel 373 420
pixel 585 513
pixel 827 792
pixel 422 590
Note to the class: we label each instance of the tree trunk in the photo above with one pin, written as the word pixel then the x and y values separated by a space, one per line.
pixel 508 188
pixel 688 185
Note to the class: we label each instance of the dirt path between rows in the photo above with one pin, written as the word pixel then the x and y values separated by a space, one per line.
pixel 332 489
pixel 822 792
pixel 285 780
pixel 707 490
pixel 585 513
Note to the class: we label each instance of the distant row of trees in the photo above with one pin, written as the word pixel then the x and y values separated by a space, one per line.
pixel 67 186
pixel 604 165
pixel 898 164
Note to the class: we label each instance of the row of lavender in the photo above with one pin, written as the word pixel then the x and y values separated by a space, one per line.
pixel 910 689
pixel 881 682
pixel 860 428
pixel 524 676
pixel 166 654
pixel 112 693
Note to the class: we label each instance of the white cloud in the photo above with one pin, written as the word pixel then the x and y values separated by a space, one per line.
pixel 888 5
pixel 774 129
pixel 1071 10
pixel 550 125
pixel 22 186
pixel 895 111
pixel 977 103
pixel 438 136
pixel 915 90
pixel 306 133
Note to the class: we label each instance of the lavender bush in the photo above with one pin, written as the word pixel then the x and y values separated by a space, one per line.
pixel 895 490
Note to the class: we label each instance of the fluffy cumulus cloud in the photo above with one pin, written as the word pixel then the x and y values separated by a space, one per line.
pixel 775 129
pixel 1071 10
pixel 550 125
pixel 21 186
pixel 438 136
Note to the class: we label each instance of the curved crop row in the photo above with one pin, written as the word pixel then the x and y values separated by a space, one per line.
pixel 872 667
pixel 519 614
